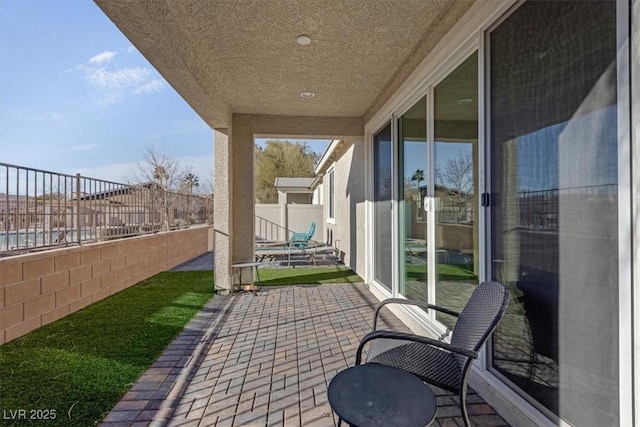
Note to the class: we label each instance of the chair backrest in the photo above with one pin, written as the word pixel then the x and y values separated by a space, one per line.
pixel 312 230
pixel 479 318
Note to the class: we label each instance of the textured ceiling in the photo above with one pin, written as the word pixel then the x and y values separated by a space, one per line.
pixel 241 56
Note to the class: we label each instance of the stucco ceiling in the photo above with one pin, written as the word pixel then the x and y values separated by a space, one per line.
pixel 241 56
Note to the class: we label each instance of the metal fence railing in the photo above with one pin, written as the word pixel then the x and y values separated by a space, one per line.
pixel 541 209
pixel 41 209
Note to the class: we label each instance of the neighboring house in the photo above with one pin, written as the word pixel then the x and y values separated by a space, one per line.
pixel 15 212
pixel 472 140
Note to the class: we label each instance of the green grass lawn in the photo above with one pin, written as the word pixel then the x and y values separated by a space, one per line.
pixel 307 276
pixel 445 272
pixel 81 365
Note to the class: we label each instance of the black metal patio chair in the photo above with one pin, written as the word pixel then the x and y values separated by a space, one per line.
pixel 442 364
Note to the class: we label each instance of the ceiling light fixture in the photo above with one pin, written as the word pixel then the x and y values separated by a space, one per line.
pixel 307 95
pixel 303 39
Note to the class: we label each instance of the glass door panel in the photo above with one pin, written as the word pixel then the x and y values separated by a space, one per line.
pixel 382 196
pixel 554 215
pixel 414 183
pixel 456 187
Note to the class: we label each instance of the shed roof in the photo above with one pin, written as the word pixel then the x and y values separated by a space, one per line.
pixel 294 182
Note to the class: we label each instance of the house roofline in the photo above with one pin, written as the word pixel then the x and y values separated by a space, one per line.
pixel 327 155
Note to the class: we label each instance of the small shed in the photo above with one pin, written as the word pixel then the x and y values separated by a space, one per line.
pixel 295 190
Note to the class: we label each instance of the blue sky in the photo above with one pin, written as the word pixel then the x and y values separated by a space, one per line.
pixel 77 97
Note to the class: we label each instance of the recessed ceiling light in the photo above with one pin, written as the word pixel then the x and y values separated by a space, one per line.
pixel 465 101
pixel 307 95
pixel 303 39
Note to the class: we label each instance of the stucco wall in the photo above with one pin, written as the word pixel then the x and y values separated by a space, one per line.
pixel 39 288
pixel 348 232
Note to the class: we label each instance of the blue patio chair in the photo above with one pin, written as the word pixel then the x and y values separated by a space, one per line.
pixel 301 240
pixel 436 362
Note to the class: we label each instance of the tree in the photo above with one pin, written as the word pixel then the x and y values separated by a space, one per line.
pixel 189 182
pixel 418 175
pixel 456 180
pixel 280 159
pixel 162 174
pixel 159 168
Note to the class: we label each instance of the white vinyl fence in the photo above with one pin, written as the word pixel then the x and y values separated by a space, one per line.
pixel 277 222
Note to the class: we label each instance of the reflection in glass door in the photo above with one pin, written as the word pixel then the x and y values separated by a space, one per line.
pixel 414 171
pixel 382 194
pixel 554 218
pixel 438 218
pixel 455 101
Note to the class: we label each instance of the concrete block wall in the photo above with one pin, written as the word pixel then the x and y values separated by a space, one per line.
pixel 39 288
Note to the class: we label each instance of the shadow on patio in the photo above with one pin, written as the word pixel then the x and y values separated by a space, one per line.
pixel 266 360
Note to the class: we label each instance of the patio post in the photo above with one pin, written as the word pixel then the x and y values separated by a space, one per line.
pixel 222 209
pixel 233 201
pixel 243 209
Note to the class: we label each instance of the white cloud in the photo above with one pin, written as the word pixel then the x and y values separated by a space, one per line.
pixel 101 58
pixel 155 85
pixel 115 81
pixel 85 147
pixel 120 78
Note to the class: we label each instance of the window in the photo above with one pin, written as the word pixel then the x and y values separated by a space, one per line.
pixel 331 196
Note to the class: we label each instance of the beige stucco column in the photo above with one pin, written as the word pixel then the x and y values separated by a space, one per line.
pixel 233 201
pixel 222 208
pixel 243 201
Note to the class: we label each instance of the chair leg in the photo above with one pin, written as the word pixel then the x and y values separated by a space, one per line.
pixel 463 408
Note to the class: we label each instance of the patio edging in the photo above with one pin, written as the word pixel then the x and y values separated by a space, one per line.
pixel 153 398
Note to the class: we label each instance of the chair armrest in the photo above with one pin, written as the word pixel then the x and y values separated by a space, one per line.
pixel 410 302
pixel 414 338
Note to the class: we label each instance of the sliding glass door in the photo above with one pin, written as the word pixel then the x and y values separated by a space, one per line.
pixel 554 213
pixel 382 202
pixel 538 141
pixel 455 171
pixel 438 166
pixel 414 185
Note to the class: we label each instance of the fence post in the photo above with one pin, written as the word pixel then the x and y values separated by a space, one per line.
pixel 78 209
pixel 284 220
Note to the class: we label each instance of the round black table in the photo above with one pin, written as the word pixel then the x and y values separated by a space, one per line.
pixel 378 395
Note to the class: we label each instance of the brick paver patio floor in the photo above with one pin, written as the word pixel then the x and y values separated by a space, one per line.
pixel 266 360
